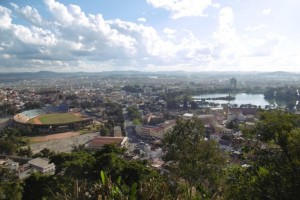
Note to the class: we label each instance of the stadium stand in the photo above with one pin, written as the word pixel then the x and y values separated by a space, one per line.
pixel 57 109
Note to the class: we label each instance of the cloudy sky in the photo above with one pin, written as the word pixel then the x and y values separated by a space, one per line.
pixel 149 35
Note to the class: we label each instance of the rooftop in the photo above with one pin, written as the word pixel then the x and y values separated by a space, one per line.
pixel 39 162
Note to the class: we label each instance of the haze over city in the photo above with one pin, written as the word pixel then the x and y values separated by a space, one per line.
pixel 150 35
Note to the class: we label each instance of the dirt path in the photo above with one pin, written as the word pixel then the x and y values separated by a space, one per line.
pixel 51 137
pixel 37 120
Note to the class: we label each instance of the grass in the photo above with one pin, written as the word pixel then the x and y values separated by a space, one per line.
pixel 89 129
pixel 58 118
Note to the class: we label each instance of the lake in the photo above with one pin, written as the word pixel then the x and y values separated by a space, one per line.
pixel 240 98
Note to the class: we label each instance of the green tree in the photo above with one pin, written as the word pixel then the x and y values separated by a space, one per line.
pixel 25 152
pixel 136 121
pixel 274 170
pixel 44 153
pixel 104 131
pixel 10 186
pixel 134 113
pixel 197 161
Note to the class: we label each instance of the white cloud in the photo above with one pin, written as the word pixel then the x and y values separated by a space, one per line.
pixel 31 14
pixel 255 28
pixel 70 37
pixel 5 17
pixel 245 51
pixel 226 40
pixel 141 19
pixel 183 8
pixel 267 11
pixel 169 31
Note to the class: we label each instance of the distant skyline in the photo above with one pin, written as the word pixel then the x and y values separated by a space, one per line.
pixel 149 35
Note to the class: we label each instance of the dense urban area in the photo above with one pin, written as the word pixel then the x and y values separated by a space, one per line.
pixel 138 135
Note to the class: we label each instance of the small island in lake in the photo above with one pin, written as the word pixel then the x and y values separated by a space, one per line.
pixel 227 98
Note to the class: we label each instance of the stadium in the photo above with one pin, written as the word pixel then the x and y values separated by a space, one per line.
pixel 52 119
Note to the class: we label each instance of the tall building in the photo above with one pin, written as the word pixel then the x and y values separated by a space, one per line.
pixel 233 83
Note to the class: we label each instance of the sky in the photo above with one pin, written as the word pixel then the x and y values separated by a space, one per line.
pixel 149 35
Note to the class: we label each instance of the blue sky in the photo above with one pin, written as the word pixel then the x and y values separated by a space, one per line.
pixel 149 35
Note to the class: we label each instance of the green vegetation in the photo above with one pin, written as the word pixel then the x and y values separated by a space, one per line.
pixel 89 129
pixel 58 118
pixel 273 171
pixel 10 186
pixel 8 109
pixel 32 105
pixel 134 113
pixel 115 114
pixel 11 140
pixel 283 96
pixel 132 88
pixel 193 159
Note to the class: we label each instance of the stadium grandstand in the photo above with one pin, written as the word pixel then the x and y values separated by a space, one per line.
pixel 51 119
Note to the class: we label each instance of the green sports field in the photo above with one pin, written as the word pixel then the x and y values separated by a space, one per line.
pixel 58 118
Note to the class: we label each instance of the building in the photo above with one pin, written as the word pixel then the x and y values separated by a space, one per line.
pixel 207 119
pixel 42 165
pixel 233 83
pixel 187 116
pixel 117 131
pixel 98 142
pixel 156 131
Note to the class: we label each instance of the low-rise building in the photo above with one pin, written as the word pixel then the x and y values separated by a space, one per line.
pixel 98 142
pixel 42 165
pixel 187 116
pixel 156 131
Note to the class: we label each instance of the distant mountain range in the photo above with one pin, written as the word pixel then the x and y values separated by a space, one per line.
pixel 138 74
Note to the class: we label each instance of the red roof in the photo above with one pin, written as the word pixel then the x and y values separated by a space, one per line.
pixel 101 141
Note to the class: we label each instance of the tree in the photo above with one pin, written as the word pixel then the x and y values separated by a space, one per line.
pixel 10 186
pixel 197 161
pixel 134 113
pixel 186 99
pixel 136 122
pixel 274 171
pixel 194 104
pixel 44 153
pixel 25 152
pixel 104 131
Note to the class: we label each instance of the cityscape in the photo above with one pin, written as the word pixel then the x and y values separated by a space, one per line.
pixel 149 100
pixel 65 113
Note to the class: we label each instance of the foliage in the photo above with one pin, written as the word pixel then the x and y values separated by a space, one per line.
pixel 25 152
pixel 197 161
pixel 114 111
pixel 136 122
pixel 11 140
pixel 8 109
pixel 274 171
pixel 132 88
pixel 104 131
pixel 134 113
pixel 44 153
pixel 10 186
pixel 32 105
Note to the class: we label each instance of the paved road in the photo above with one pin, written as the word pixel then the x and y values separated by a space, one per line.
pixel 63 145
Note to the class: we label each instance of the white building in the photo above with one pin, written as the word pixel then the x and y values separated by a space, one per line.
pixel 188 116
pixel 42 165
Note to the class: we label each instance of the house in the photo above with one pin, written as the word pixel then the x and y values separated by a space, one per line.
pixel 42 165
